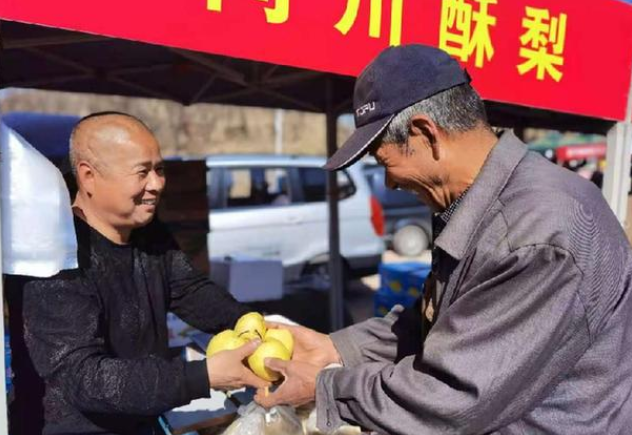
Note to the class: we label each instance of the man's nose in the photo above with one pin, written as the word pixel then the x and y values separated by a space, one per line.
pixel 156 182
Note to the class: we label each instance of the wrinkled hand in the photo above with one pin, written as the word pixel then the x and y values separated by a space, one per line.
pixel 226 370
pixel 298 387
pixel 310 346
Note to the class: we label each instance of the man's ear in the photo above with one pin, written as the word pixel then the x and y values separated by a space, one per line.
pixel 424 128
pixel 85 177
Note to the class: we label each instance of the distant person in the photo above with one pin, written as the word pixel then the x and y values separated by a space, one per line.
pixel 597 175
pixel 97 336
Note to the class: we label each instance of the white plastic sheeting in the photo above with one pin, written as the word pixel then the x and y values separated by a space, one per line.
pixel 38 234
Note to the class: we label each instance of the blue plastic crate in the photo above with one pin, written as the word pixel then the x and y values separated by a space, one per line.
pixel 383 303
pixel 400 283
pixel 399 278
pixel 416 281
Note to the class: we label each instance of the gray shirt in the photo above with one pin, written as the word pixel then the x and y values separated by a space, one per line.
pixel 526 324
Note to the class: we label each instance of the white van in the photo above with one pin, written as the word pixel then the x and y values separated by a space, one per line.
pixel 274 206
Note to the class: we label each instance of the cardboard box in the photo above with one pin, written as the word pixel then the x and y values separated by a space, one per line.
pixel 247 278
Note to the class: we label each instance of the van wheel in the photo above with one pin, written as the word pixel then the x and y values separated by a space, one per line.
pixel 410 241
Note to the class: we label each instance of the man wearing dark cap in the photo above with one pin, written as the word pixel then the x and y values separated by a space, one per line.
pixel 524 326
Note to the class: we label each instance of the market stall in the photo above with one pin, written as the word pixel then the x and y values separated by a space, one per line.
pixel 535 62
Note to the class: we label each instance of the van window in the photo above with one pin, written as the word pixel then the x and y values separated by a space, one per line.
pixel 314 184
pixel 250 187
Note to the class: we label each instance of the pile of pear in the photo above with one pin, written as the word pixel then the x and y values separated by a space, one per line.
pixel 275 343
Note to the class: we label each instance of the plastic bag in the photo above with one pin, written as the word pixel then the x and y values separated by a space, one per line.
pixel 38 233
pixel 255 420
pixel 307 414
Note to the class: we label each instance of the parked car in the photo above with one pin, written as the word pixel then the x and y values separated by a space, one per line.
pixel 408 222
pixel 272 206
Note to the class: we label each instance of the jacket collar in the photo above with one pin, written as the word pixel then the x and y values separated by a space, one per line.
pixel 481 196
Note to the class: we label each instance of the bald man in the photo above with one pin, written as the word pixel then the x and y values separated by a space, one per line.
pixel 97 336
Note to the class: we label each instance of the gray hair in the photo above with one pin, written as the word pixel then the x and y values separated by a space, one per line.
pixel 455 110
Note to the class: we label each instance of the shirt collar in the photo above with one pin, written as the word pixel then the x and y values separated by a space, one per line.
pixel 448 212
pixel 441 219
pixel 468 214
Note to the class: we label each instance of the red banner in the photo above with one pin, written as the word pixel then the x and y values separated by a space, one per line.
pixel 564 55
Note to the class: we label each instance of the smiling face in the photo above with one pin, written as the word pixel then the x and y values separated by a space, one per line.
pixel 413 169
pixel 120 172
pixel 127 189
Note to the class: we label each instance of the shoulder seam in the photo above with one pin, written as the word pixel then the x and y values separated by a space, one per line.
pixel 581 273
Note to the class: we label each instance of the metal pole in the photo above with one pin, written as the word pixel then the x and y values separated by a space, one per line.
pixel 336 298
pixel 4 412
pixel 616 183
pixel 278 131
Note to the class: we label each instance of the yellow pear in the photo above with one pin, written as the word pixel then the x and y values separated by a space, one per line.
pixel 283 335
pixel 225 340
pixel 251 326
pixel 250 335
pixel 270 348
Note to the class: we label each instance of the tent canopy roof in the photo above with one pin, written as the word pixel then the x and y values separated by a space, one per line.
pixel 46 58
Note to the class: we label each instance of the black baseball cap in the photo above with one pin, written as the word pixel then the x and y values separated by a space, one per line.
pixel 397 78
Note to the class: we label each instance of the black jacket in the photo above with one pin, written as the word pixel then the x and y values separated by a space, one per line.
pixel 97 336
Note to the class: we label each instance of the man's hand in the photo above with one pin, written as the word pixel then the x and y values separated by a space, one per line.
pixel 310 346
pixel 298 387
pixel 226 370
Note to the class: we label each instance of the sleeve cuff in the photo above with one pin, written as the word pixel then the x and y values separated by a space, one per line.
pixel 349 341
pixel 345 344
pixel 196 379
pixel 327 415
